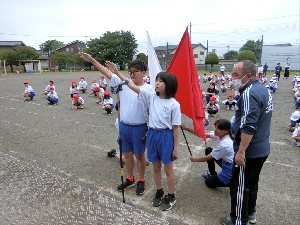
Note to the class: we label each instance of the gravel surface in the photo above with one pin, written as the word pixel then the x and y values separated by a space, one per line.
pixel 72 144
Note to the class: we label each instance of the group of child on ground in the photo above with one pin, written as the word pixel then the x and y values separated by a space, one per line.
pixel 98 90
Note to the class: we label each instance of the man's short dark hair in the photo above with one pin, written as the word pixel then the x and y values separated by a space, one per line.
pixel 138 64
pixel 249 67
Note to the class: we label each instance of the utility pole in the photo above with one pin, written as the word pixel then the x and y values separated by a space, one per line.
pixel 167 56
pixel 227 48
pixel 191 32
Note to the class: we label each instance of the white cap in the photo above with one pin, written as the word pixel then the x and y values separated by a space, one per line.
pixel 267 86
pixel 295 116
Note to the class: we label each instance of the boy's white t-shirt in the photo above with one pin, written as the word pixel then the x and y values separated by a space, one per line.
pixel 94 85
pixel 133 111
pixel 48 87
pixel 296 131
pixel 103 81
pixel 74 90
pixel 82 84
pixel 29 89
pixel 224 149
pixel 164 113
pixel 80 99
pixel 52 95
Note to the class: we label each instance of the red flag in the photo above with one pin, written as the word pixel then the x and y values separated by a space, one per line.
pixel 189 93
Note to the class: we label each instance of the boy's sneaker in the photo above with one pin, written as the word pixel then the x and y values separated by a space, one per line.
pixel 298 143
pixel 157 199
pixel 168 203
pixel 112 153
pixel 140 188
pixel 127 184
pixel 206 175
pixel 252 218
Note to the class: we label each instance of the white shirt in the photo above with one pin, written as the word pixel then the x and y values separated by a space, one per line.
pixel 82 84
pixel 108 101
pixel 80 99
pixel 74 90
pixel 94 85
pixel 133 110
pixel 296 131
pixel 222 68
pixel 29 89
pixel 214 105
pixel 52 95
pixel 48 88
pixel 164 113
pixel 103 82
pixel 224 149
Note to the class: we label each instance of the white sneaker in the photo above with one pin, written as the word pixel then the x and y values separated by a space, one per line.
pixel 298 143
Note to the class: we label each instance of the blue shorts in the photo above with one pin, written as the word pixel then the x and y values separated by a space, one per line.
pixel 160 145
pixel 133 138
pixel 112 106
pixel 31 94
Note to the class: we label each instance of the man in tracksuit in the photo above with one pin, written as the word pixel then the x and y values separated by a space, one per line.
pixel 251 142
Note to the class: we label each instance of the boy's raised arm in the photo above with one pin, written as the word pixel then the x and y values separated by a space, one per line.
pixel 101 68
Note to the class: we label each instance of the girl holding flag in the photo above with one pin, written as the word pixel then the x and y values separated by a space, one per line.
pixel 162 137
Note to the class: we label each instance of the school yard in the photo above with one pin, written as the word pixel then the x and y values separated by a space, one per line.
pixel 55 169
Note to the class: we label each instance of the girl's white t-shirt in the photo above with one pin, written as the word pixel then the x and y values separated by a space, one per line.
pixel 224 149
pixel 164 113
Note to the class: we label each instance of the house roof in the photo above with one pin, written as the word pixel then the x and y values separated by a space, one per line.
pixel 66 45
pixel 172 47
pixel 10 43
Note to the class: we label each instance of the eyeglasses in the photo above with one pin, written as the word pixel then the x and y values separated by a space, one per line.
pixel 133 72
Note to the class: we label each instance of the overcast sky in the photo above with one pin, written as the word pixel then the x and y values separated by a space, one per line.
pixel 225 24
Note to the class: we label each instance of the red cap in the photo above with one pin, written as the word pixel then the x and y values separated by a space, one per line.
pixel 231 95
pixel 94 80
pixel 81 77
pixel 75 96
pixel 97 88
pixel 213 98
pixel 26 82
pixel 102 76
pixel 51 88
pixel 106 92
pixel 74 82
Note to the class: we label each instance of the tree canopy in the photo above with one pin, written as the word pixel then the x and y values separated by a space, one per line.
pixel 231 55
pixel 247 55
pixel 250 45
pixel 19 52
pixel 143 57
pixel 62 58
pixel 211 59
pixel 50 46
pixel 118 47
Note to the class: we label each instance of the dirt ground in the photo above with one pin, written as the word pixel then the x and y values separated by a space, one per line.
pixel 73 143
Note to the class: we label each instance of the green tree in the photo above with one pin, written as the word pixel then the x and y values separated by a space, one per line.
pixel 118 47
pixel 250 45
pixel 247 55
pixel 231 55
pixel 9 55
pixel 50 46
pixel 143 57
pixel 62 58
pixel 211 59
pixel 19 52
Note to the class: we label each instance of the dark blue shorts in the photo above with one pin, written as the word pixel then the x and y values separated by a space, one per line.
pixel 133 138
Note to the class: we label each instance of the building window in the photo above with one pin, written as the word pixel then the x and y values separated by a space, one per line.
pixel 67 49
pixel 71 49
pixel 195 56
pixel 201 53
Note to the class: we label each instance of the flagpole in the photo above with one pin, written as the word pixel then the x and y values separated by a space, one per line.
pixel 186 141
